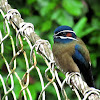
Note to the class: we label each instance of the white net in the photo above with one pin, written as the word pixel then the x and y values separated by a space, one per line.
pixel 41 47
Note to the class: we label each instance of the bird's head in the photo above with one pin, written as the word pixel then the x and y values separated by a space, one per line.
pixel 64 34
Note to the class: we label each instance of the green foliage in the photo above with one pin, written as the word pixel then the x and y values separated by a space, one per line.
pixel 80 25
pixel 30 1
pixel 74 7
pixel 35 89
pixel 82 15
pixel 65 19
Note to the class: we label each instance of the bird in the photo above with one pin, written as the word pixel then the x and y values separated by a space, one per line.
pixel 71 54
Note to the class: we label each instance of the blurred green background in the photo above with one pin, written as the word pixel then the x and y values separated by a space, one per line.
pixel 82 15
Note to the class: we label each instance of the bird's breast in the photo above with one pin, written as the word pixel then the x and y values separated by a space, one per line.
pixel 63 56
pixel 61 49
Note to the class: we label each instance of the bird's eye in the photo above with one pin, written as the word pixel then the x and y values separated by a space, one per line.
pixel 64 33
pixel 61 34
pixel 69 35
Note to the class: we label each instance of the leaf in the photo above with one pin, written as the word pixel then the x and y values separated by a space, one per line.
pixel 93 57
pixel 50 38
pixel 4 78
pixel 20 72
pixel 21 62
pixel 87 31
pixel 78 28
pixel 24 11
pixel 62 18
pixel 74 7
pixel 94 40
pixel 96 22
pixel 17 89
pixel 95 5
pixel 45 10
pixel 32 91
pixel 35 20
pixel 51 90
pixel 30 1
pixel 97 81
pixel 46 26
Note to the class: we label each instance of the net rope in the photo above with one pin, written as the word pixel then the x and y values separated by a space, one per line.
pixel 42 48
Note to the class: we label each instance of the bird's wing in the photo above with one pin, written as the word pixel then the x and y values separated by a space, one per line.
pixel 83 64
pixel 81 54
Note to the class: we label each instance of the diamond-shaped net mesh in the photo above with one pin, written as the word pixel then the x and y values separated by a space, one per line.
pixel 25 32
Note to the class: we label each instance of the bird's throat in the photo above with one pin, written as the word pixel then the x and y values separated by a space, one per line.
pixel 59 40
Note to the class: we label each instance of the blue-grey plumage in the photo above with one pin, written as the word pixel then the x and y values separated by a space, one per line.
pixel 71 54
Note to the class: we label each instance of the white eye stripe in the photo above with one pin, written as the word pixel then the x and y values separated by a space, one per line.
pixel 64 31
pixel 66 37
